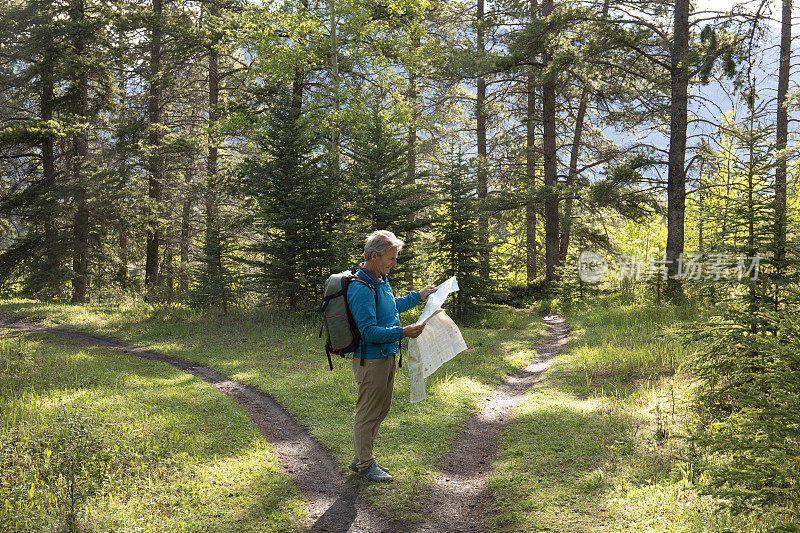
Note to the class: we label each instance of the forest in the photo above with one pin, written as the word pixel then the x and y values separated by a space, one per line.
pixel 192 171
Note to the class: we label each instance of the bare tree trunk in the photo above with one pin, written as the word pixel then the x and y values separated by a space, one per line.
pixel 411 143
pixel 782 127
pixel 80 144
pixel 186 227
pixel 573 165
pixel 482 161
pixel 676 180
pixel 550 166
pixel 571 177
pixel 49 171
pixel 122 225
pixel 154 138
pixel 530 169
pixel 531 247
pixel 212 163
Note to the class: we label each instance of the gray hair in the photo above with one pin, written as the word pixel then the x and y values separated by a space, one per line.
pixel 379 241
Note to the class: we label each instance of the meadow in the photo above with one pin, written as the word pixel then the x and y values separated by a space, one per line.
pixel 598 445
pixel 285 358
pixel 595 446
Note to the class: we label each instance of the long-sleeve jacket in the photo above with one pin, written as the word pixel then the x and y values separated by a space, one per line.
pixel 379 327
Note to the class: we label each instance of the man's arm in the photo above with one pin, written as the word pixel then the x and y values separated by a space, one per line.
pixel 409 301
pixel 413 299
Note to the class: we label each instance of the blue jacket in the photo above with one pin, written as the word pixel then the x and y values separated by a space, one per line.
pixel 380 328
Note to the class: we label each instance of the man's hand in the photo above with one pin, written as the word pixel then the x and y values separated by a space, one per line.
pixel 413 330
pixel 427 291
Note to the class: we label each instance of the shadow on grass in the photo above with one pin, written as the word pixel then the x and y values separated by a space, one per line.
pixel 274 506
pixel 156 419
pixel 552 470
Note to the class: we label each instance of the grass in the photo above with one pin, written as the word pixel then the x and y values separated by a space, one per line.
pixel 596 446
pixel 285 358
pixel 93 440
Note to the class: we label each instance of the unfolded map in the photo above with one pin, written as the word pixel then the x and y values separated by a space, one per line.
pixel 439 342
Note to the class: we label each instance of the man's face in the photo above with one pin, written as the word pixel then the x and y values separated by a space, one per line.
pixel 387 261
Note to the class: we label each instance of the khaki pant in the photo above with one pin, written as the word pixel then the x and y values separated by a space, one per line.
pixel 375 385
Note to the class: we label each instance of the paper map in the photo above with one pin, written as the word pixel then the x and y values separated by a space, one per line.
pixel 436 299
pixel 439 342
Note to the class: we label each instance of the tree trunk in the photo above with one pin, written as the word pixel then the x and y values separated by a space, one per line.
pixel 51 263
pixel 154 138
pixel 531 247
pixel 550 165
pixel 573 165
pixel 168 272
pixel 676 180
pixel 291 281
pixel 782 126
pixel 212 169
pixel 411 144
pixel 530 170
pixel 336 97
pixel 186 228
pixel 80 145
pixel 572 176
pixel 482 161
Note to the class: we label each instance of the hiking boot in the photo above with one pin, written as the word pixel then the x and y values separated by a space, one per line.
pixel 354 468
pixel 374 473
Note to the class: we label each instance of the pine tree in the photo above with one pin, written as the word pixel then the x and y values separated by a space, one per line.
pixel 216 276
pixel 296 210
pixel 458 236
pixel 384 194
pixel 747 424
pixel 57 73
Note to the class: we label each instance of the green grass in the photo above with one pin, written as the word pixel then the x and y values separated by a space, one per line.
pixel 285 358
pixel 596 446
pixel 101 441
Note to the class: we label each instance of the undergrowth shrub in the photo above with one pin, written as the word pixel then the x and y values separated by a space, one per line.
pixel 747 427
pixel 49 475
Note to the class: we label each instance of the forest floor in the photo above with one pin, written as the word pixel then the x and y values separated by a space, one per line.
pixel 511 437
pixel 332 503
pixel 460 499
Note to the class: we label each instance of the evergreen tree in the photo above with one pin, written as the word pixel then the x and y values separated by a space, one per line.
pixel 385 195
pixel 56 74
pixel 296 210
pixel 458 236
pixel 216 276
pixel 747 367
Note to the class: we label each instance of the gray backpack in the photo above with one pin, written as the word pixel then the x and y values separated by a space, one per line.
pixel 343 335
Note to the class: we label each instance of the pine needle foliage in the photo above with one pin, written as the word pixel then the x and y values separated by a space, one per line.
pixel 215 278
pixel 458 240
pixel 295 209
pixel 385 195
pixel 747 430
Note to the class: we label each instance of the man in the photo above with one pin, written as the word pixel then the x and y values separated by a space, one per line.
pixel 381 334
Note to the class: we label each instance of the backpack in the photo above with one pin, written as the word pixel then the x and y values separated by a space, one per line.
pixel 343 335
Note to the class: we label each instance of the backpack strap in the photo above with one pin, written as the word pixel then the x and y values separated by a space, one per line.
pixel 328 352
pixel 375 293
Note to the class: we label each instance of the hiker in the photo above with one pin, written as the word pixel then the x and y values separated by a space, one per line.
pixel 378 321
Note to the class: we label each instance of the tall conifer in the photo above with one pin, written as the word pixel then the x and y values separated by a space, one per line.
pixel 295 211
pixel 385 194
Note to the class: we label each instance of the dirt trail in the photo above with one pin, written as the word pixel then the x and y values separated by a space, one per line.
pixel 459 500
pixel 333 504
